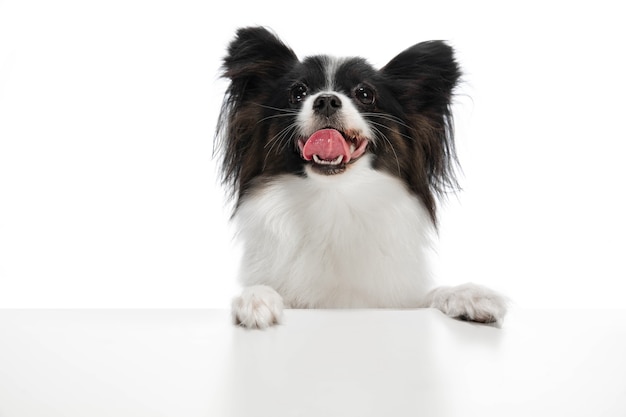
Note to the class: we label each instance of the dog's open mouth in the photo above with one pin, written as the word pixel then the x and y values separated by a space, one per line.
pixel 330 150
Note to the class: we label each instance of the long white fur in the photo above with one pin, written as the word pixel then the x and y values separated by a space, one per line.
pixel 359 239
pixel 352 240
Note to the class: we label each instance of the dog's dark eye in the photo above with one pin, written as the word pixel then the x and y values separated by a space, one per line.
pixel 365 95
pixel 298 93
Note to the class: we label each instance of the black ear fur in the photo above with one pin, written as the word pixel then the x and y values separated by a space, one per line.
pixel 423 78
pixel 255 55
pixel 427 68
pixel 256 59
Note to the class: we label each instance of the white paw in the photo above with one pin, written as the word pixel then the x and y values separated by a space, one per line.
pixel 469 302
pixel 258 306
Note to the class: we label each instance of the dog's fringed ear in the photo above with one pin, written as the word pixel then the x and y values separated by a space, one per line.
pixel 423 78
pixel 257 55
pixel 425 75
pixel 255 60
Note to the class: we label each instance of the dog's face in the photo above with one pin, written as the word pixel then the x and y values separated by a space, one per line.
pixel 322 115
pixel 326 107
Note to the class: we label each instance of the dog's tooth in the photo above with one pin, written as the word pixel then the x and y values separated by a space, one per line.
pixel 320 161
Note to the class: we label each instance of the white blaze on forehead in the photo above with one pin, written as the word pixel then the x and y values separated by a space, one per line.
pixel 331 66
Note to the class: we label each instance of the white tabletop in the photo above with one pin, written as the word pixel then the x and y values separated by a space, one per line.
pixel 185 363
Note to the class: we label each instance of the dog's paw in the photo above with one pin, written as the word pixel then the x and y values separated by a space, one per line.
pixel 469 302
pixel 258 306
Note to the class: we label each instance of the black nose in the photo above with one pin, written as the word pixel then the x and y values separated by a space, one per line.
pixel 327 104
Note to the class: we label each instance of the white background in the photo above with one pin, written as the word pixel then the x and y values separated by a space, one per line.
pixel 108 189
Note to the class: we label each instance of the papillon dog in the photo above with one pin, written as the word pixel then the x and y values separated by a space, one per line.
pixel 336 169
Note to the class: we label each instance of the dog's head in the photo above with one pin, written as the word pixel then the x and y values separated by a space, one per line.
pixel 322 115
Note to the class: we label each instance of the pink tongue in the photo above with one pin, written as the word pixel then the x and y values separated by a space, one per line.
pixel 327 144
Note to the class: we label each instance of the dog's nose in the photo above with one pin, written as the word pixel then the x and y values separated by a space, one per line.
pixel 327 104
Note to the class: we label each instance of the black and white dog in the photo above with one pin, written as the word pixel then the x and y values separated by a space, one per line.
pixel 336 168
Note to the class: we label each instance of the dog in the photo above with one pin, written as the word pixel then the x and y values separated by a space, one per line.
pixel 336 170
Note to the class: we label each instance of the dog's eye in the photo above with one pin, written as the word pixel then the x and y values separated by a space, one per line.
pixel 298 93
pixel 365 95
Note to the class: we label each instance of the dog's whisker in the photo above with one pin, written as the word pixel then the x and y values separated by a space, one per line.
pixel 279 135
pixel 274 116
pixel 286 137
pixel 389 117
pixel 289 140
pixel 381 135
pixel 277 139
pixel 284 110
pixel 392 130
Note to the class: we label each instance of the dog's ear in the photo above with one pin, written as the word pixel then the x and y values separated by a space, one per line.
pixel 255 61
pixel 423 78
pixel 424 75
pixel 255 56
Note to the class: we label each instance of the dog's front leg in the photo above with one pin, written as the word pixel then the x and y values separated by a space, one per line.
pixel 258 306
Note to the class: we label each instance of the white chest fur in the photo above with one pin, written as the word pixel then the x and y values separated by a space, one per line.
pixel 357 239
